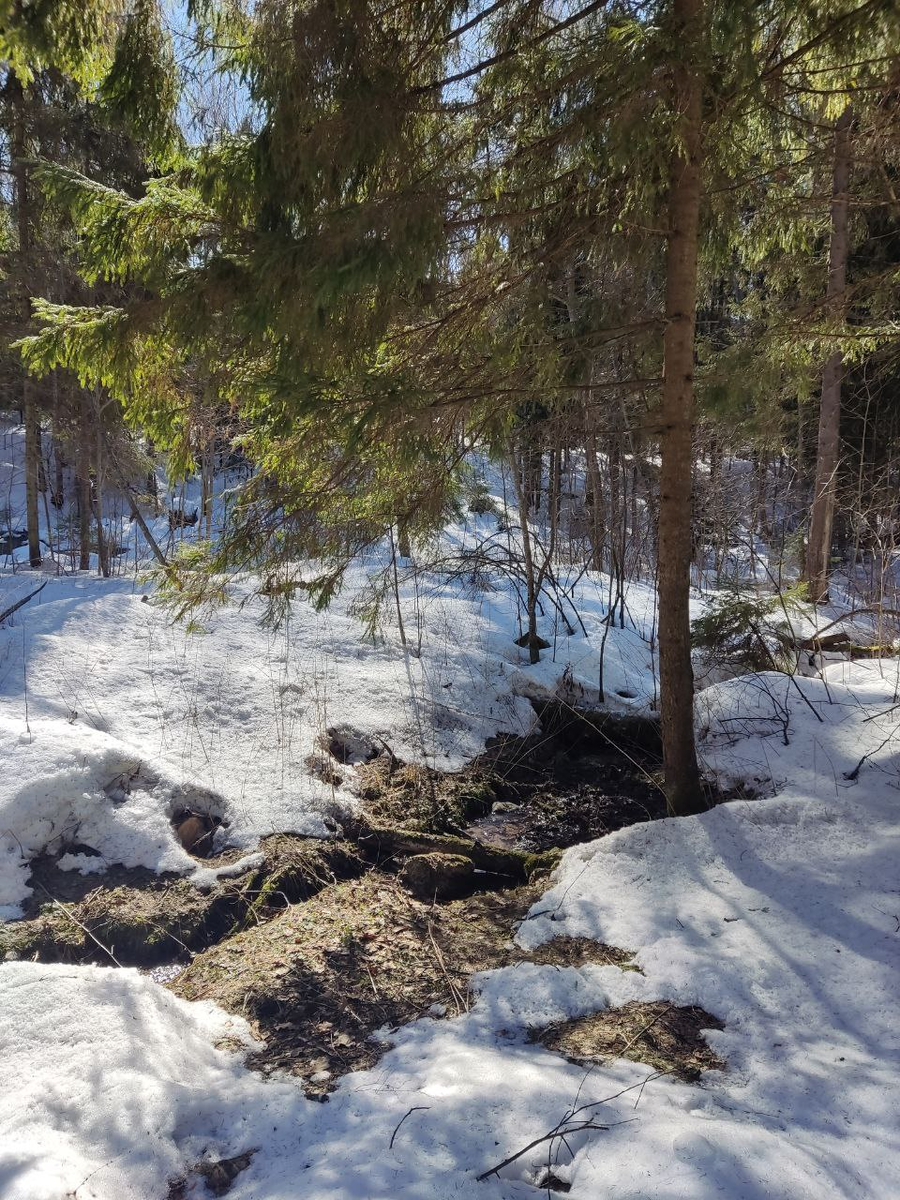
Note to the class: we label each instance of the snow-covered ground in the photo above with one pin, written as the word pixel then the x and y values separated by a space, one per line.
pixel 779 915
pixel 112 716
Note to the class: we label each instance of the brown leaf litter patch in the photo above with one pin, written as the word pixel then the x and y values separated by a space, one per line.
pixel 409 796
pixel 576 951
pixel 137 918
pixel 322 977
pixel 665 1036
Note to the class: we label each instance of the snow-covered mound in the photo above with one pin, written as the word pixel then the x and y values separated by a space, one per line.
pixel 108 1080
pixel 70 786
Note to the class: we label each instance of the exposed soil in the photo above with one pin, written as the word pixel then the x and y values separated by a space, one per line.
pixel 664 1036
pixel 137 918
pixel 322 977
pixel 408 796
pixel 574 800
pixel 585 776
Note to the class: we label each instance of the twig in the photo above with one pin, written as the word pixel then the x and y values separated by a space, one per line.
pixel 73 1194
pixel 459 999
pixel 853 775
pixel 547 1137
pixel 408 1113
pixel 372 981
pixel 562 1129
pixel 84 929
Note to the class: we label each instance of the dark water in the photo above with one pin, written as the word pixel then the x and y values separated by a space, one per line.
pixel 570 798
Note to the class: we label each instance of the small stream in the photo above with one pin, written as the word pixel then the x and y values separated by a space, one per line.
pixel 574 799
pixel 586 775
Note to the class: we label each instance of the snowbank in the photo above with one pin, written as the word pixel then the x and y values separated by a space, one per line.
pixel 67 785
pixel 104 1077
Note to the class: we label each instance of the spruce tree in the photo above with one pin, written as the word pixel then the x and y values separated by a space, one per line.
pixel 369 272
pixel 66 101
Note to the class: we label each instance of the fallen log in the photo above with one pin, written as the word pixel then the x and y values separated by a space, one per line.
pixel 839 643
pixel 387 841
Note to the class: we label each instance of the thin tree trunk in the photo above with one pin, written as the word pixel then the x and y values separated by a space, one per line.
pixel 84 493
pixel 58 498
pixel 32 475
pixel 616 500
pixel 595 480
pixel 682 776
pixel 152 487
pixel 531 587
pixel 207 481
pixel 97 500
pixel 535 469
pixel 818 554
pixel 554 497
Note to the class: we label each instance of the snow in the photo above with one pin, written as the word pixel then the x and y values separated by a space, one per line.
pixel 105 1069
pixel 777 915
pixel 777 912
pixel 113 717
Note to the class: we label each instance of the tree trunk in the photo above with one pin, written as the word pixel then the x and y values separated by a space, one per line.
pixel 18 154
pixel 535 471
pixel 531 585
pixel 97 500
pixel 84 523
pixel 85 508
pixel 32 475
pixel 616 519
pixel 682 776
pixel 58 497
pixel 818 553
pixel 152 487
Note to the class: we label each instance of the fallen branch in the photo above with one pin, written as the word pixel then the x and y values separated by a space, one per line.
pixel 21 603
pixel 840 643
pixel 560 1132
pixel 877 611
